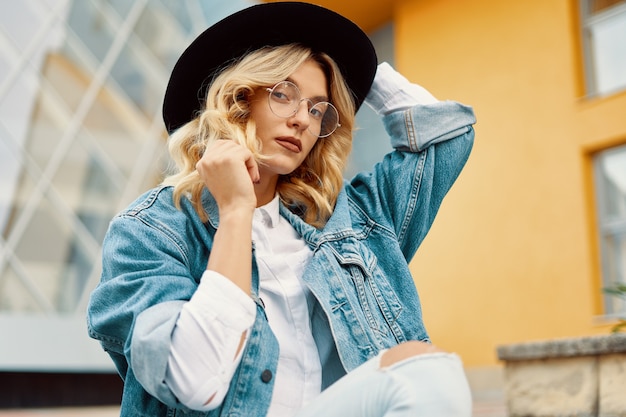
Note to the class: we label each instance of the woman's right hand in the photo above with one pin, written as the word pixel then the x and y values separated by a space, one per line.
pixel 229 171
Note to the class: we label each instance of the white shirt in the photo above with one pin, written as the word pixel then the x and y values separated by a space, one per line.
pixel 219 312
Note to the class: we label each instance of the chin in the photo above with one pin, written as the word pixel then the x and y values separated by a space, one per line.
pixel 284 168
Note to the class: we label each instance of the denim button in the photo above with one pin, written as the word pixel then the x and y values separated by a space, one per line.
pixel 266 376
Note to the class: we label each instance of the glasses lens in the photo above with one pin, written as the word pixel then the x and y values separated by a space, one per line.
pixel 284 99
pixel 324 119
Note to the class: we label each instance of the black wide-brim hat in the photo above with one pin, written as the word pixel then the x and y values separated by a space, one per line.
pixel 267 24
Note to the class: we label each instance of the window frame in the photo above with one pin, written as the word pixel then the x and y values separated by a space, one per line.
pixel 588 20
pixel 609 228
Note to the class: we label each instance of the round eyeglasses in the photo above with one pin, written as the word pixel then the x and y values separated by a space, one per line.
pixel 284 100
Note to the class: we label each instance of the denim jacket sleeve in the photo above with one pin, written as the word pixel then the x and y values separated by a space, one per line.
pixel 148 274
pixel 403 192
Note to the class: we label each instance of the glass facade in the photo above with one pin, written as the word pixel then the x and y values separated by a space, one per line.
pixel 81 135
pixel 88 137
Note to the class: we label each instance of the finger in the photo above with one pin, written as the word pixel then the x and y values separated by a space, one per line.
pixel 223 153
pixel 241 152
pixel 253 169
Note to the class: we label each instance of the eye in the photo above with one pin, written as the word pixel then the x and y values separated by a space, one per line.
pixel 284 93
pixel 280 96
pixel 317 111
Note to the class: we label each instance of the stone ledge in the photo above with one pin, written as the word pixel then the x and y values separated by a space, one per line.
pixel 582 377
pixel 563 348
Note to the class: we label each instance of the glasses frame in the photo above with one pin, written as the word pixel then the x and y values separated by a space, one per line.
pixel 299 100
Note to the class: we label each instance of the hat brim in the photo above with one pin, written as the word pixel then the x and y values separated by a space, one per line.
pixel 267 24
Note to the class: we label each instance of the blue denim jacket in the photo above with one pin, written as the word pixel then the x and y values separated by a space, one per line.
pixel 154 256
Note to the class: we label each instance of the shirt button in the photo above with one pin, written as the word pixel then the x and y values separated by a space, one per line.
pixel 266 376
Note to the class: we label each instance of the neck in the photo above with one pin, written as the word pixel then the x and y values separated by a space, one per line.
pixel 265 189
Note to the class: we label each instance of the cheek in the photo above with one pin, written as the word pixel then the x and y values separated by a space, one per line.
pixel 263 119
pixel 310 146
pixel 257 110
pixel 254 113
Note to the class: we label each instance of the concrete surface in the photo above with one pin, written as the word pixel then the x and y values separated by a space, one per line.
pixel 481 409
pixel 584 377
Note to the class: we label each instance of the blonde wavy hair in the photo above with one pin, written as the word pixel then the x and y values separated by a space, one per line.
pixel 311 190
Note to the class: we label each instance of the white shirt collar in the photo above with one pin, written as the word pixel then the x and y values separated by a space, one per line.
pixel 270 212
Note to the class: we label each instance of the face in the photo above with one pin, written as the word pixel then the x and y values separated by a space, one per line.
pixel 288 141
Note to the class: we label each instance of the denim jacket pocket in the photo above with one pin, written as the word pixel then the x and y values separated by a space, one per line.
pixel 377 300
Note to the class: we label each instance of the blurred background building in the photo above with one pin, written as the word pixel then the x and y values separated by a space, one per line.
pixel 533 230
pixel 81 135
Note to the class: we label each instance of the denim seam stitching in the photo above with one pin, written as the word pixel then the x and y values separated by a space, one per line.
pixel 417 181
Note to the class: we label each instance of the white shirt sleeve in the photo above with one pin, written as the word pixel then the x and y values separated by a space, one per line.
pixel 208 331
pixel 391 91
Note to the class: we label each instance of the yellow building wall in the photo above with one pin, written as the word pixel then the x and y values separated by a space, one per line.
pixel 512 255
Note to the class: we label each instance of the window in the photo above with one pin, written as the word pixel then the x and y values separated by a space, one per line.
pixel 604 32
pixel 81 135
pixel 610 181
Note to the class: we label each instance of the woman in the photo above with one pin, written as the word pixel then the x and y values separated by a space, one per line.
pixel 253 279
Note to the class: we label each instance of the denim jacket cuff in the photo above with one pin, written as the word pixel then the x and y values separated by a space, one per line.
pixel 420 126
pixel 150 347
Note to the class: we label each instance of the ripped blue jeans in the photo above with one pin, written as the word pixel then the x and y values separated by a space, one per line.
pixel 425 385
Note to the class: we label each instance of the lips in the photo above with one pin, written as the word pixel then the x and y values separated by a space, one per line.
pixel 290 143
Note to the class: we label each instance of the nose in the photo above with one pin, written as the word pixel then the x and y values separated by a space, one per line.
pixel 300 119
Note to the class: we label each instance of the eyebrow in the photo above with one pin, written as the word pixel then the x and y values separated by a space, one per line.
pixel 315 99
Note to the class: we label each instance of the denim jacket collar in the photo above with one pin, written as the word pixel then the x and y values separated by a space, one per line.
pixel 339 225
